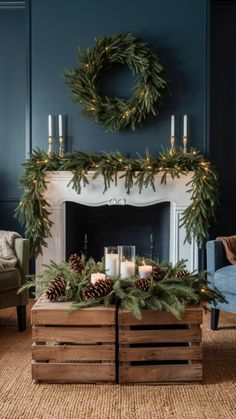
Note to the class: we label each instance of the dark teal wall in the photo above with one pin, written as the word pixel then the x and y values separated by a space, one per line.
pixel 177 29
pixel 12 108
pixel 223 110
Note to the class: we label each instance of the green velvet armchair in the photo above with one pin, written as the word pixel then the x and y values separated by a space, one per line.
pixel 11 279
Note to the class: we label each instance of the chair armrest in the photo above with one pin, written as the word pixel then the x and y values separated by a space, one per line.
pixel 216 258
pixel 22 253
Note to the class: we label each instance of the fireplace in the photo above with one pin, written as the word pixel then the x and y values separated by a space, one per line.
pixel 90 229
pixel 172 197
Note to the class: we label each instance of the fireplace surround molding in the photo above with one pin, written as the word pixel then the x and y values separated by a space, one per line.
pixel 59 191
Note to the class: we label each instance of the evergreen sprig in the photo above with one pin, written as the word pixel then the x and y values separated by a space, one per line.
pixel 172 293
pixel 117 113
pixel 34 211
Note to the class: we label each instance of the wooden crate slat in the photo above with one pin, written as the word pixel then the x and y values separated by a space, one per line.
pixel 73 373
pixel 160 354
pixel 74 353
pixel 73 346
pixel 59 314
pixel 158 336
pixel 192 315
pixel 73 334
pixel 160 373
pixel 159 348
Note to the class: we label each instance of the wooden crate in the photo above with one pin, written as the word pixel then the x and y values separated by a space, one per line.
pixel 160 349
pixel 73 346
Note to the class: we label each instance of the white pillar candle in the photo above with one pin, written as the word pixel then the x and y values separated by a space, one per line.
pixel 95 277
pixel 144 271
pixel 185 125
pixel 50 125
pixel 60 125
pixel 112 264
pixel 127 269
pixel 172 131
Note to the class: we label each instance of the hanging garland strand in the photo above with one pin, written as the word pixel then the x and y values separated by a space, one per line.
pixel 117 113
pixel 34 212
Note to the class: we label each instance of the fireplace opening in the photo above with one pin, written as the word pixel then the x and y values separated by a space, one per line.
pixel 90 229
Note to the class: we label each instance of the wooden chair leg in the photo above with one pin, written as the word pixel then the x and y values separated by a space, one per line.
pixel 21 317
pixel 214 318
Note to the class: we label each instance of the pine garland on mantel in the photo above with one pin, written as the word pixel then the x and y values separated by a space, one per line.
pixel 34 211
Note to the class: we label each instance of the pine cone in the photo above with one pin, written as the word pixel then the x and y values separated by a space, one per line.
pixel 158 273
pixel 57 288
pixel 143 284
pixel 76 263
pixel 182 273
pixel 98 290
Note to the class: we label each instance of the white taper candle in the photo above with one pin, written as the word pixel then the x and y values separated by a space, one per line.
pixel 172 131
pixel 50 125
pixel 60 125
pixel 185 125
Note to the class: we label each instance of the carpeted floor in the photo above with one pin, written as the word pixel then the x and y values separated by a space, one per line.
pixel 214 399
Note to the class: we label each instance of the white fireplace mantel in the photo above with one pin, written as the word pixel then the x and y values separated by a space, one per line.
pixel 175 192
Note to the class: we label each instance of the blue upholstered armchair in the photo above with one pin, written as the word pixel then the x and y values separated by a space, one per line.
pixel 221 275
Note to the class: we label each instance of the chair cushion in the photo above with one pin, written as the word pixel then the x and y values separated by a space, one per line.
pixel 9 279
pixel 225 279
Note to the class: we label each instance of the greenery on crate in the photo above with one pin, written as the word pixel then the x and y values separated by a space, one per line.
pixel 169 288
pixel 34 211
pixel 117 113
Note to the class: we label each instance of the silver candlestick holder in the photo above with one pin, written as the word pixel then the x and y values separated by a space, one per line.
pixel 61 146
pixel 172 144
pixel 50 142
pixel 185 141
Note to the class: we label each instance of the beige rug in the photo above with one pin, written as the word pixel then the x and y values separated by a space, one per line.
pixel 21 398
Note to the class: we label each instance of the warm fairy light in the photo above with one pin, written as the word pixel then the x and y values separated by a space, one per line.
pixel 150 167
pixel 194 152
pixel 35 181
pixel 120 160
pixel 202 290
pixel 87 65
pixel 92 108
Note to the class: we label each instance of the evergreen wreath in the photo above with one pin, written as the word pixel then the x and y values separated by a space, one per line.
pixel 34 211
pixel 117 113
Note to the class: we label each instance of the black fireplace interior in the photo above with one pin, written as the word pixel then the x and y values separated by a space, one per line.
pixel 90 229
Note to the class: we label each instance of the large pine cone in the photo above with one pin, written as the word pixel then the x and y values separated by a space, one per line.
pixel 158 272
pixel 76 263
pixel 57 288
pixel 143 284
pixel 182 273
pixel 100 289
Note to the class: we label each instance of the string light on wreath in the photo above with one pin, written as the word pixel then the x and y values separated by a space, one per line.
pixel 117 113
